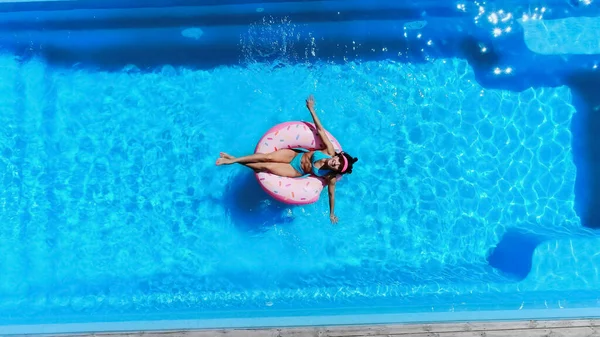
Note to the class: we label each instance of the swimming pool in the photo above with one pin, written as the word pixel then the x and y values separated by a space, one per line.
pixel 474 195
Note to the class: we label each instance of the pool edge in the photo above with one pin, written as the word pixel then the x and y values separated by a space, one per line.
pixel 237 326
pixel 565 328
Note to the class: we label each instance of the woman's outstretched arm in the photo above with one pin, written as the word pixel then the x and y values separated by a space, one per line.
pixel 310 104
pixel 331 192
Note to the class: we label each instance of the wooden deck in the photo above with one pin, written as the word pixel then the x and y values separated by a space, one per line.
pixel 556 328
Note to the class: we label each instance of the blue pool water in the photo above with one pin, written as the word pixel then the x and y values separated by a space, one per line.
pixel 474 190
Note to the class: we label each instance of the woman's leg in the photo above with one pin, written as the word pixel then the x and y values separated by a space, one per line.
pixel 280 169
pixel 279 156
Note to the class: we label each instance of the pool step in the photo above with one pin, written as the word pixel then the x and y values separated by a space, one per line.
pixel 566 264
pixel 574 35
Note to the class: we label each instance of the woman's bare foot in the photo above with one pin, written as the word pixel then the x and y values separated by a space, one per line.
pixel 225 159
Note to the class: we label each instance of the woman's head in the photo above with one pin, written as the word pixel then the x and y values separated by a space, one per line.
pixel 342 162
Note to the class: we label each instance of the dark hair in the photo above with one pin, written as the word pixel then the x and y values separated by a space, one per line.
pixel 351 160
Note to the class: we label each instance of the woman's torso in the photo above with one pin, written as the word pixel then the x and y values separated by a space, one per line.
pixel 307 164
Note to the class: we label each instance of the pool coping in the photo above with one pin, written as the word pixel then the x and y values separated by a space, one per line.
pixel 241 326
pixel 565 328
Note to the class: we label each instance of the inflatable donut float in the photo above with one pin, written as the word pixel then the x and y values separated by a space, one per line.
pixel 288 135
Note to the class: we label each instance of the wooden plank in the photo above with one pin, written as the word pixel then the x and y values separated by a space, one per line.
pixel 558 332
pixel 566 328
pixel 449 327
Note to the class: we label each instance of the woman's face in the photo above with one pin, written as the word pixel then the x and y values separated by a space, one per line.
pixel 335 162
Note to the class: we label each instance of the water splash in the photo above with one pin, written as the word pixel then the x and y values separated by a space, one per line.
pixel 276 40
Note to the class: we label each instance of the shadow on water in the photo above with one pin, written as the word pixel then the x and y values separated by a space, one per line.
pixel 148 58
pixel 145 58
pixel 513 255
pixel 470 49
pixel 586 146
pixel 251 208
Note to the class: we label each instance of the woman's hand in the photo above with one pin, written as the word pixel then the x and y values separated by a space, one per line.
pixel 333 218
pixel 310 103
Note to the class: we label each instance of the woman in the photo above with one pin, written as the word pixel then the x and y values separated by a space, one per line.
pixel 298 162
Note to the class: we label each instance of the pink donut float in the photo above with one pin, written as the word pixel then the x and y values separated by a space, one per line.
pixel 295 191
